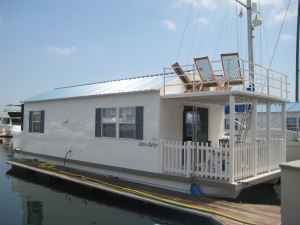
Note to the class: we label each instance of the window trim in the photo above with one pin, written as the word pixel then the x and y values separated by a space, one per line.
pixel 41 122
pixel 122 123
pixel 103 123
pixel 99 123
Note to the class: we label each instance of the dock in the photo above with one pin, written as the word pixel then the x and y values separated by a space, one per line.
pixel 223 211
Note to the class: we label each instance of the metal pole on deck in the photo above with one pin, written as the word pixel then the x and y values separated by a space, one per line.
pixel 250 29
pixel 232 137
pixel 250 44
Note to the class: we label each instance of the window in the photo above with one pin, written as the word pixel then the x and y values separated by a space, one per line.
pixel 130 122
pixel 16 121
pixel 5 121
pixel 108 122
pixel 105 125
pixel 127 122
pixel 292 123
pixel 36 121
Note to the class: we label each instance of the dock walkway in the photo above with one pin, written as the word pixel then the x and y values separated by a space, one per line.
pixel 225 212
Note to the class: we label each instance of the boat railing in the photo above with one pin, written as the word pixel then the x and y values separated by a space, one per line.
pixel 267 81
pixel 216 161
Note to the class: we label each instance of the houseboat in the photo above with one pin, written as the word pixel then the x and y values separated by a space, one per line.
pixel 166 130
pixel 10 123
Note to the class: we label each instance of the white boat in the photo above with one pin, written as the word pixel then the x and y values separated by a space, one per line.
pixel 161 131
pixel 167 130
pixel 10 124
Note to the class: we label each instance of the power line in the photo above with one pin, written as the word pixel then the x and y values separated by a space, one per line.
pixel 279 33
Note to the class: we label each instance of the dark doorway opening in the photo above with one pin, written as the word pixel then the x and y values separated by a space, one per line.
pixel 195 124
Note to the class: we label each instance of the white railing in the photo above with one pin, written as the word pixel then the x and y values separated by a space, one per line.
pixel 213 161
pixel 195 159
pixel 267 81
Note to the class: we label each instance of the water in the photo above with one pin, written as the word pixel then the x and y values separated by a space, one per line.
pixel 27 199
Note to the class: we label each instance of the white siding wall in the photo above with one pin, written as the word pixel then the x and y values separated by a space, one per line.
pixel 171 114
pixel 70 124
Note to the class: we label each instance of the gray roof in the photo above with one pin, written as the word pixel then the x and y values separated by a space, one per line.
pixel 137 84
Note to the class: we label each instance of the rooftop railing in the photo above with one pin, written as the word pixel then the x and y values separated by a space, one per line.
pixel 267 81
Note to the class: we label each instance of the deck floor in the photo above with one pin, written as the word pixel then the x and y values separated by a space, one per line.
pixel 224 211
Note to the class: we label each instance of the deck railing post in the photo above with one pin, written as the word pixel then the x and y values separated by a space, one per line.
pixel 268 82
pixel 232 136
pixel 281 87
pixel 283 128
pixel 268 135
pixel 161 156
pixel 286 88
pixel 188 158
pixel 254 129
pixel 164 81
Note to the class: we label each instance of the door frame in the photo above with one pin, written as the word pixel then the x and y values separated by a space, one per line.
pixel 189 107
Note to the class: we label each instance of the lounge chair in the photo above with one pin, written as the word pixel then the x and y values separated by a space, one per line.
pixel 207 75
pixel 232 69
pixel 182 76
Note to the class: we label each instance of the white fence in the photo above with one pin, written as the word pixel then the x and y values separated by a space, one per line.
pixel 214 161
pixel 195 159
pixel 252 160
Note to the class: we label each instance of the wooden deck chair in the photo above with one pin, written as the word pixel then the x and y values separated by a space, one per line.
pixel 182 76
pixel 232 69
pixel 207 75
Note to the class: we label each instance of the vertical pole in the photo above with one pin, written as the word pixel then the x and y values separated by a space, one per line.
pixel 286 88
pixel 283 127
pixel 268 82
pixel 253 130
pixel 268 135
pixel 164 81
pixel 297 53
pixel 232 135
pixel 250 45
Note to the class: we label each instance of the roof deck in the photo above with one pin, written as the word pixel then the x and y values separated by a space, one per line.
pixel 267 83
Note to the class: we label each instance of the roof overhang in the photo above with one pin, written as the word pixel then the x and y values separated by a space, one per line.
pixel 221 97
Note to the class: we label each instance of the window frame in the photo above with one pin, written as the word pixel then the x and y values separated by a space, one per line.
pixel 109 123
pixel 127 123
pixel 137 122
pixel 289 125
pixel 33 121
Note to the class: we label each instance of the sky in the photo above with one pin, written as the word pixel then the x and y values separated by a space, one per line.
pixel 52 43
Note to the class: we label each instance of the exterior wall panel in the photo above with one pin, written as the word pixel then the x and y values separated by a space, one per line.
pixel 70 125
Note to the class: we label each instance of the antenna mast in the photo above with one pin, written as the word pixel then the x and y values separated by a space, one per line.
pixel 251 24
pixel 250 44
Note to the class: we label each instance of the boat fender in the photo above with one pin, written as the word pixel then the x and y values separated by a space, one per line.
pixel 196 190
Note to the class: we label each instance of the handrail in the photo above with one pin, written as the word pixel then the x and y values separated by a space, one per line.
pixel 267 81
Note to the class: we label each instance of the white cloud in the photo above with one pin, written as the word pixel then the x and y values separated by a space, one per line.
pixel 287 37
pixel 206 4
pixel 169 24
pixel 273 3
pixel 64 51
pixel 202 21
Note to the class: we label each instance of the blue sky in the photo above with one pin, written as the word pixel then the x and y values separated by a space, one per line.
pixel 52 43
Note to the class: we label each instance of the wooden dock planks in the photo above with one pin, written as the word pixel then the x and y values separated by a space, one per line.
pixel 226 212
